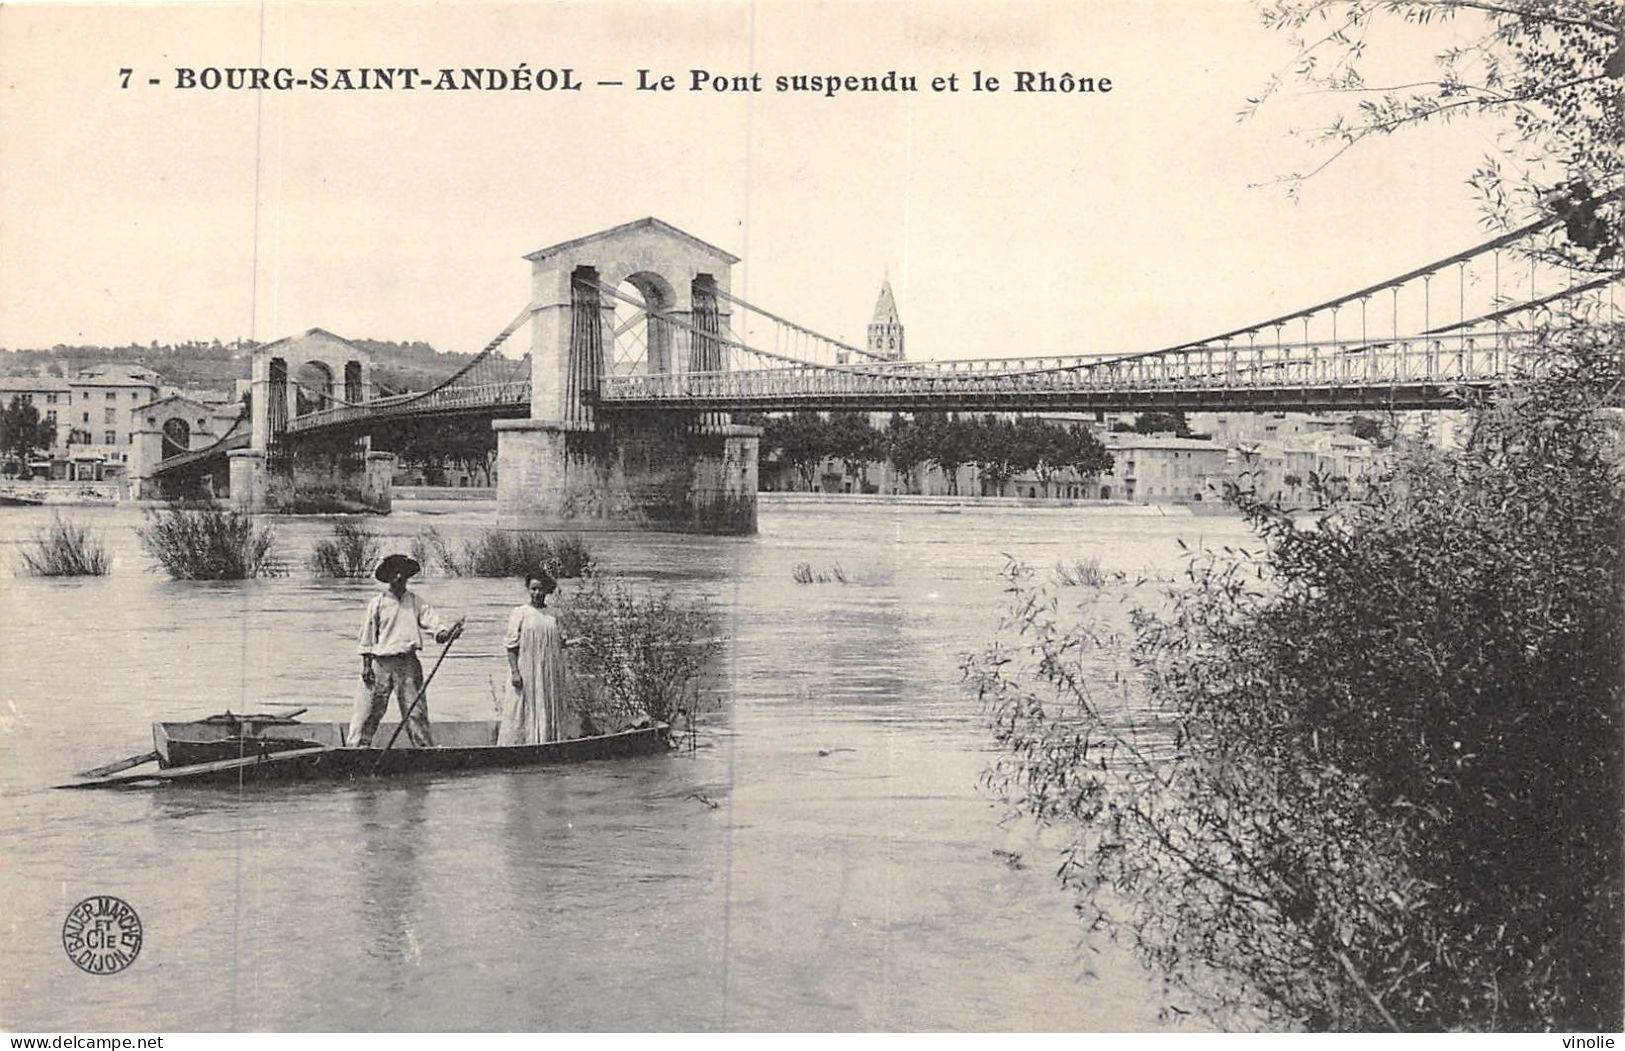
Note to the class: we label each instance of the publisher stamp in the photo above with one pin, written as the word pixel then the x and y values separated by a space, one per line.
pixel 102 935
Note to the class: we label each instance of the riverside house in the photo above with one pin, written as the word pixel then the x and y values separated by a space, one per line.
pixel 94 416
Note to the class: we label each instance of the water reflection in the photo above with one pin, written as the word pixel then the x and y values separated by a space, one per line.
pixel 388 822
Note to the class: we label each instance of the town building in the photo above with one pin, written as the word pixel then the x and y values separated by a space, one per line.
pixel 1291 467
pixel 1147 469
pixel 94 416
pixel 178 423
pixel 48 394
pixel 1164 469
pixel 1256 427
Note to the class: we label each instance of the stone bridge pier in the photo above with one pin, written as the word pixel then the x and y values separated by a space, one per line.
pixel 576 464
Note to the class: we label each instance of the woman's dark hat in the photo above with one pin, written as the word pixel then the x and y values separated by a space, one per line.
pixel 394 564
pixel 549 585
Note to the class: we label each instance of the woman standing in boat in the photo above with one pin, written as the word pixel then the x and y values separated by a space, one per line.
pixel 535 710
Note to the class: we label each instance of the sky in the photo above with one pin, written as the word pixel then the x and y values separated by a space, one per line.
pixel 1008 223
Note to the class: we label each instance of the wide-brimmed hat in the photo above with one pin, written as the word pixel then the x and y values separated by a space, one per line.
pixel 393 564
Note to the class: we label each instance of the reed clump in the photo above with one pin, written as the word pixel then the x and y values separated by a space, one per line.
pixel 429 548
pixel 209 544
pixel 65 549
pixel 1086 572
pixel 804 573
pixel 351 551
pixel 505 553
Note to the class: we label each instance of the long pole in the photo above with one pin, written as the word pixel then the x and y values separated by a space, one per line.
pixel 414 705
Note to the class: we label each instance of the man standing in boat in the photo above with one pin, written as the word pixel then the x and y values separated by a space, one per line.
pixel 391 636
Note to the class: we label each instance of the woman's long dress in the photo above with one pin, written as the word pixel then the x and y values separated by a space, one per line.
pixel 535 713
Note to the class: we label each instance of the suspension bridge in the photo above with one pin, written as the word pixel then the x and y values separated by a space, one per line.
pixel 640 322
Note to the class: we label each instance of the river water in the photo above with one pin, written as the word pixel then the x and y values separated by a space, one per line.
pixel 845 878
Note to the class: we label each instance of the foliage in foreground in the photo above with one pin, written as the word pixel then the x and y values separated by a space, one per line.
pixel 352 551
pixel 505 553
pixel 1544 74
pixel 640 653
pixel 1373 778
pixel 209 544
pixel 65 549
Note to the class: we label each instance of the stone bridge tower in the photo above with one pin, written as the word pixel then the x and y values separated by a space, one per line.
pixel 290 378
pixel 580 465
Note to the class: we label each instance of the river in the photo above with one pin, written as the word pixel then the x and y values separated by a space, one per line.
pixel 844 879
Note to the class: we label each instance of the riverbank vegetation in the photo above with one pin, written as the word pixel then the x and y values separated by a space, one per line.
pixel 429 447
pixel 65 549
pixel 505 553
pixel 209 544
pixel 1368 775
pixel 1000 448
pixel 1359 774
pixel 641 653
pixel 350 551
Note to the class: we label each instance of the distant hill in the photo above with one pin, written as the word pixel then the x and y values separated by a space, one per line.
pixel 217 366
pixel 401 367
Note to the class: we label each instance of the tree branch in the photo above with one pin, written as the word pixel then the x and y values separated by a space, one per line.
pixel 1532 15
pixel 1359 983
pixel 1355 135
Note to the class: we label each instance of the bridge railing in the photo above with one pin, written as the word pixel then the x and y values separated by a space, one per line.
pixel 450 399
pixel 1437 359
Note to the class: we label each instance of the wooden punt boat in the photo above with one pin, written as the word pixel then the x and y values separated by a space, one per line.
pixel 239 749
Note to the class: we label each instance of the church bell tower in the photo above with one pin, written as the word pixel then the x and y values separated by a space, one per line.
pixel 886 328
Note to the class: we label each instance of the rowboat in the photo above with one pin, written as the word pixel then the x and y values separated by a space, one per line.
pixel 241 749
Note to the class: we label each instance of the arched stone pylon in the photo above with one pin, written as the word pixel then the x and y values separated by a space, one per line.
pixel 574 464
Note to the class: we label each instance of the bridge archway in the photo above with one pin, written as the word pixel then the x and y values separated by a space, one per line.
pixel 313 387
pixel 649 261
pixel 301 374
pixel 638 344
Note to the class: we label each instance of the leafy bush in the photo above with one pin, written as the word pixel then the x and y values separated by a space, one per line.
pixel 319 498
pixel 352 551
pixel 65 549
pixel 639 654
pixel 327 500
pixel 571 557
pixel 1372 779
pixel 499 553
pixel 209 544
pixel 505 553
